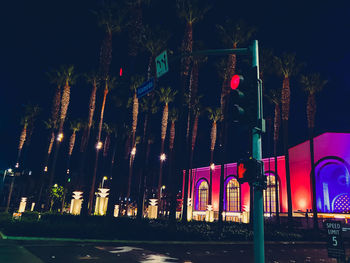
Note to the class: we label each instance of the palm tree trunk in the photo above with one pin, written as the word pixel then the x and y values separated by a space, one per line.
pixel 21 141
pixel 211 177
pixel 313 179
pixel 106 54
pixel 92 189
pixel 131 160
pixel 113 191
pixel 160 178
pixel 52 173
pixel 286 153
pixel 10 194
pixel 56 106
pixel 64 105
pixel 102 112
pixel 276 181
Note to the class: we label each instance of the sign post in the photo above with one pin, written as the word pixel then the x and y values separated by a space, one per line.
pixel 335 244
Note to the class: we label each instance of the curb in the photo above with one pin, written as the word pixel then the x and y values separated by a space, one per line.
pixel 79 240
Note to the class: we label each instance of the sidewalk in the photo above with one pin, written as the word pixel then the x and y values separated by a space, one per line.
pixel 13 253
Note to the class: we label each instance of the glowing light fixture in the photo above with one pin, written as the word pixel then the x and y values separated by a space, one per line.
pixel 162 157
pixel 133 151
pixel 45 169
pixel 99 145
pixel 17 165
pixel 212 166
pixel 60 137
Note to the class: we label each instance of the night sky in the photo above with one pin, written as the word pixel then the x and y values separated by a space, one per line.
pixel 40 35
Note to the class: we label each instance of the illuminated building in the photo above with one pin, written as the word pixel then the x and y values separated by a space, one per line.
pixel 332 171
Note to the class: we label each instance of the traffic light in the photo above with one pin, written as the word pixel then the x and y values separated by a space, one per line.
pixel 251 171
pixel 237 97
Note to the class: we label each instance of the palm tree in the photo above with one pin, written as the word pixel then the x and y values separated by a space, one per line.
pixel 68 79
pixel 22 138
pixel 286 67
pixel 312 85
pixel 190 11
pixel 75 126
pixel 92 79
pixel 32 111
pixel 154 41
pixel 112 18
pixel 30 114
pixel 215 115
pixel 136 24
pixel 136 81
pixel 56 77
pixel 109 85
pixel 148 106
pixel 166 95
pixel 108 131
pixel 173 116
pixel 275 98
pixel 197 110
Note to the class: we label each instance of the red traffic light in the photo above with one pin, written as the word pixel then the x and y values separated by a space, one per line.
pixel 235 81
pixel 120 72
pixel 241 170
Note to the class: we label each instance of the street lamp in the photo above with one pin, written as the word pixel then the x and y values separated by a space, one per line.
pixel 133 151
pixel 60 137
pixel 103 180
pixel 10 172
pixel 17 165
pixel 99 145
pixel 212 166
pixel 162 158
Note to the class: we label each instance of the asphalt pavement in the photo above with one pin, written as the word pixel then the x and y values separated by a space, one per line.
pixel 13 251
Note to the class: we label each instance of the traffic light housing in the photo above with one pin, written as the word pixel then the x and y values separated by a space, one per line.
pixel 251 171
pixel 236 97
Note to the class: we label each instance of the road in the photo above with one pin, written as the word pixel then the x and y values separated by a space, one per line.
pixel 52 252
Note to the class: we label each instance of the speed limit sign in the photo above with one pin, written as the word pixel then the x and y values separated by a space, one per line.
pixel 335 245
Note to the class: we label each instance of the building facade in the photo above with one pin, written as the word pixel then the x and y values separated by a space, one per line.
pixel 332 172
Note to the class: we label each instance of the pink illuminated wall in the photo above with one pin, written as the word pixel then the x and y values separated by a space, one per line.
pixel 231 169
pixel 327 147
pixel 332 149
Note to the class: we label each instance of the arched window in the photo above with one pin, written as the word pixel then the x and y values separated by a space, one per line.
pixel 202 191
pixel 232 196
pixel 332 185
pixel 270 194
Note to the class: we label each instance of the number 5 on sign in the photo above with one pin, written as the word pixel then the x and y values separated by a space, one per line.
pixel 162 64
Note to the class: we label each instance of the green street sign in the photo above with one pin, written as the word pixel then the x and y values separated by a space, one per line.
pixel 162 64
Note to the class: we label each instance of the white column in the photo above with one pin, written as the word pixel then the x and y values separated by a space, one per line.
pixel 76 202
pixel 22 205
pixel 153 209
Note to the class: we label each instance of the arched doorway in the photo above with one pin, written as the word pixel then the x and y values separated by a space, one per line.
pixel 270 193
pixel 202 195
pixel 232 196
pixel 332 185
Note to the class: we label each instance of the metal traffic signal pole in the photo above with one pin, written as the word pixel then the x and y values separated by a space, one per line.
pixel 258 222
pixel 258 226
